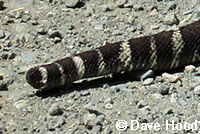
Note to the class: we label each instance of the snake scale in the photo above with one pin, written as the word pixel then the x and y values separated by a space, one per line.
pixel 162 51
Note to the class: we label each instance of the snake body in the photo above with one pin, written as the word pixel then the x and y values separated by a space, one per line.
pixel 162 51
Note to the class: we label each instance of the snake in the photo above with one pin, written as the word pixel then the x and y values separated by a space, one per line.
pixel 162 51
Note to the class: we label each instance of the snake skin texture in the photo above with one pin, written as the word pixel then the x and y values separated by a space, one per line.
pixel 159 52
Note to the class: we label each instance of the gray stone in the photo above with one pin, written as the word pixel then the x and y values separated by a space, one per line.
pixel 158 79
pixel 106 8
pixel 85 93
pixel 120 3
pixel 154 27
pixel 190 69
pixel 34 21
pixel 27 2
pixel 190 94
pixel 163 89
pixel 148 81
pixel 171 19
pixel 109 106
pixel 71 3
pixel 41 29
pixel 131 19
pixel 2 34
pixel 187 12
pixel 147 74
pixel 55 33
pixel 55 110
pixel 157 96
pixel 57 40
pixel 96 129
pixel 128 5
pixel 90 120
pixel 181 94
pixel 141 104
pixel 138 7
pixel 131 29
pixel 168 110
pixel 170 78
pixel 19 15
pixel 182 102
pixel 117 32
pixel 108 100
pixel 20 104
pixel 197 90
pixel 98 27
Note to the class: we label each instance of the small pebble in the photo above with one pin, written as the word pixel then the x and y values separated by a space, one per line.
pixel 57 40
pixel 128 112
pixel 71 3
pixel 171 19
pixel 96 129
pixel 154 12
pixel 154 27
pixel 163 89
pixel 55 110
pixel 148 81
pixel 182 102
pixel 131 20
pixel 138 7
pixel 197 90
pixel 98 27
pixel 147 74
pixel 2 34
pixel 108 106
pixel 41 29
pixel 85 93
pixel 34 21
pixel 55 33
pixel 190 94
pixel 108 100
pixel 168 110
pixel 128 5
pixel 121 3
pixel 106 8
pixel 190 69
pixel 131 29
pixel 117 32
pixel 157 96
pixel 20 104
pixel 170 78
pixel 141 104
pixel 187 12
pixel 90 120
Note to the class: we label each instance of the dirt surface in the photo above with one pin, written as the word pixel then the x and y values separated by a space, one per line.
pixel 34 32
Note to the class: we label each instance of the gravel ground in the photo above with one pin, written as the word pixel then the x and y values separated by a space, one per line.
pixel 34 32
